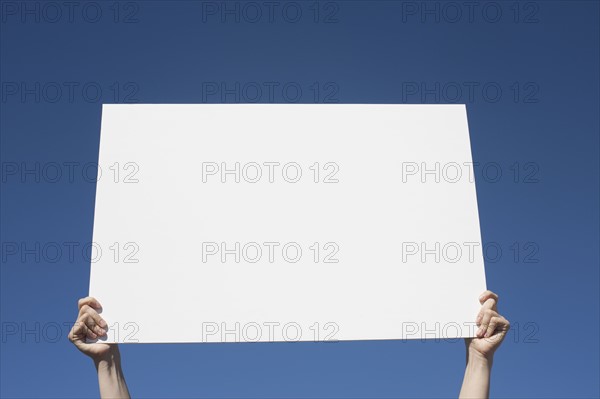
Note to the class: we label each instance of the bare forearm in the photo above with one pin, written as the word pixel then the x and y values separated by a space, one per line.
pixel 476 383
pixel 110 376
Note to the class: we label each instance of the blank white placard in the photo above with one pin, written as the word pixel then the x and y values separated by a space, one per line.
pixel 347 222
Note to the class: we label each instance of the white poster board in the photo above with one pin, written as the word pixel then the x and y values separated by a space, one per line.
pixel 253 222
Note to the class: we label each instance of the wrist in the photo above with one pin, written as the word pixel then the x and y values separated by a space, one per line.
pixel 110 375
pixel 108 360
pixel 479 360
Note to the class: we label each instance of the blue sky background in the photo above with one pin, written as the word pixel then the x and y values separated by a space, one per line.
pixel 543 56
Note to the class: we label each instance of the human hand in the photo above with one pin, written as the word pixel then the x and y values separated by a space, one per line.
pixel 90 325
pixel 492 329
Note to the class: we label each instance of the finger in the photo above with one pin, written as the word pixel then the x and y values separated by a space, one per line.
pixel 503 325
pixel 489 304
pixel 78 332
pixel 487 295
pixel 491 327
pixel 499 330
pixel 94 322
pixel 90 301
pixel 95 315
pixel 78 335
pixel 485 321
pixel 90 326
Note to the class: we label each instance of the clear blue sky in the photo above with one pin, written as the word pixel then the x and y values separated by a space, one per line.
pixel 527 71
